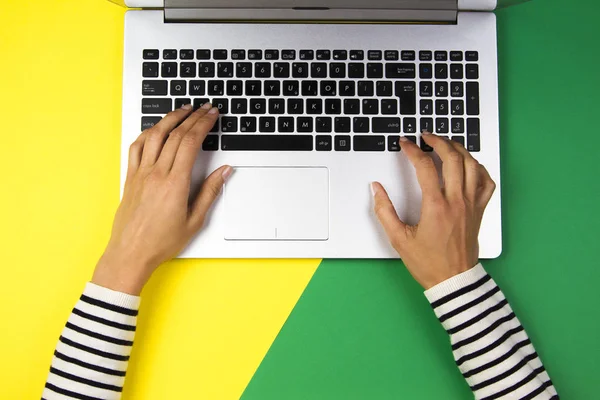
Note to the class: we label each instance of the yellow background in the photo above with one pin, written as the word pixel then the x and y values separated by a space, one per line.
pixel 204 325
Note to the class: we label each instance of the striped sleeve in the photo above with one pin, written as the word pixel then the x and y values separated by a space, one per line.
pixel 489 344
pixel 93 350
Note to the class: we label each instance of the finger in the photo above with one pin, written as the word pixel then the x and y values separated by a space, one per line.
pixel 453 169
pixel 167 155
pixel 191 143
pixel 211 188
pixel 135 154
pixel 486 189
pixel 156 135
pixel 426 172
pixel 472 172
pixel 394 228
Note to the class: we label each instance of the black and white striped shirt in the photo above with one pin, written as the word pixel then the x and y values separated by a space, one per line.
pixel 489 344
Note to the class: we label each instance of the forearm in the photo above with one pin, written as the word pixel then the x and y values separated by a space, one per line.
pixel 490 346
pixel 93 350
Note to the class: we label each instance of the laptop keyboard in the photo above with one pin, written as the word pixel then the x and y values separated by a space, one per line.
pixel 318 100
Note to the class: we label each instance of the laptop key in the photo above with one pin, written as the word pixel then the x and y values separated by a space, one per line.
pixel 472 56
pixel 149 122
pixel 225 70
pixel 411 138
pixel 408 55
pixel 307 54
pixel 262 70
pixel 456 71
pixel 154 88
pixel 220 54
pixel 426 124
pixel 457 107
pixel 351 106
pixel 206 70
pixel 168 70
pixel 156 105
pixel 215 88
pixel 366 88
pixel 288 54
pixel 238 54
pixel 314 106
pixel 340 55
pixel 347 88
pixel 235 88
pixel 409 125
pixel 267 142
pixel 425 147
pixel 472 98
pixel 229 124
pixel 309 88
pixel 323 143
pixel 426 89
pixel 457 89
pixel 180 102
pixel 281 70
pixel 441 125
pixel 323 54
pixel 199 102
pixel 360 125
pixel 258 106
pixel 248 124
pixel 393 143
pixel 178 88
pixel 186 54
pixel 473 140
pixel 375 70
pixel 323 124
pixel 400 70
pixel 341 143
pixel 328 88
pixel 342 124
pixel 254 54
pixel 441 71
pixel 337 70
pixel 441 107
pixel 170 54
pixel 291 88
pixel 407 94
pixel 318 70
pixel 369 143
pixel 300 70
pixel 458 125
pixel 271 54
pixel 389 107
pixel 425 55
pixel 243 70
pixel 202 54
pixel 222 105
pixel 356 70
pixel 370 106
pixel 391 55
pixel 385 125
pixel 441 56
pixel 276 106
pixel 384 88
pixel 211 143
pixel 333 106
pixel 266 124
pixel 305 124
pixel 425 71
pixel 285 124
pixel 441 89
pixel 472 71
pixel 357 55
pixel 150 54
pixel 459 139
pixel 239 106
pixel 374 55
pixel 187 70
pixel 456 56
pixel 253 88
pixel 426 107
pixel 272 88
pixel 295 106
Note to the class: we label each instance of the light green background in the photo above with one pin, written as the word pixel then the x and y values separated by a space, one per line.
pixel 363 329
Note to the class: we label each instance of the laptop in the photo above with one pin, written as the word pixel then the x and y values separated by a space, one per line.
pixel 314 97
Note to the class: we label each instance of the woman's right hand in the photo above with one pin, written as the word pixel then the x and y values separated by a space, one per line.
pixel 444 242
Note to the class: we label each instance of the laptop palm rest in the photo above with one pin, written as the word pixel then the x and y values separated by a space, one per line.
pixel 277 203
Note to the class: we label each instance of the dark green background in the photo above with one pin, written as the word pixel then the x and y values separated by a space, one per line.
pixel 363 329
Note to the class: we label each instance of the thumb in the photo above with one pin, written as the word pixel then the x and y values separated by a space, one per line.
pixel 211 188
pixel 386 213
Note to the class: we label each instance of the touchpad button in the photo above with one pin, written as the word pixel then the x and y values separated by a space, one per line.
pixel 277 203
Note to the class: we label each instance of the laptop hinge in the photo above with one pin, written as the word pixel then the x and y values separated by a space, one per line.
pixel 341 11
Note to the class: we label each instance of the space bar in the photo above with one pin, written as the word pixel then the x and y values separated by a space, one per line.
pixel 267 142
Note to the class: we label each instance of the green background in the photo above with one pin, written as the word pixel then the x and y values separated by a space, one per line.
pixel 363 329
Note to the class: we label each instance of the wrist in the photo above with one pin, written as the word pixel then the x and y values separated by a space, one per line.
pixel 121 274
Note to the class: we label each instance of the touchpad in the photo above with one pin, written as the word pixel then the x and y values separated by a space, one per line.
pixel 264 203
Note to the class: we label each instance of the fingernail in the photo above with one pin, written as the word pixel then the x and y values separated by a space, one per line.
pixel 227 172
pixel 214 110
pixel 187 106
pixel 426 133
pixel 206 106
pixel 374 189
pixel 403 139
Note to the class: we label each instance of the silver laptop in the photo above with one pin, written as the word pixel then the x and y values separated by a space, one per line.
pixel 314 96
